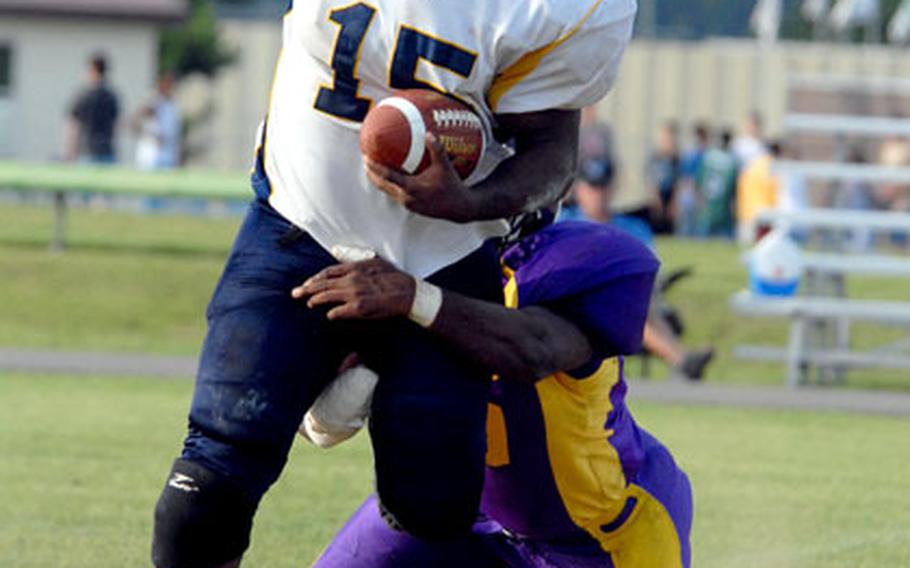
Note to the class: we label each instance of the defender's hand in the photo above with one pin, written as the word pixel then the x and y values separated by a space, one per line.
pixel 436 192
pixel 372 289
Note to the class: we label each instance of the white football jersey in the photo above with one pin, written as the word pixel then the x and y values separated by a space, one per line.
pixel 341 57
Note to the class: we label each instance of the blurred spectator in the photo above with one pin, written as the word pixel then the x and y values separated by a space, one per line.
pixel 157 125
pixel 595 152
pixel 592 199
pixel 660 340
pixel 688 197
pixel 592 202
pixel 793 191
pixel 595 137
pixel 90 133
pixel 663 175
pixel 895 152
pixel 716 182
pixel 857 195
pixel 592 191
pixel 750 144
pixel 757 190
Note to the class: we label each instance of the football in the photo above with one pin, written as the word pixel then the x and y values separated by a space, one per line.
pixel 394 131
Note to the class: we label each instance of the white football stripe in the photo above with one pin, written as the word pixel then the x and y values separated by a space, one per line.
pixel 418 131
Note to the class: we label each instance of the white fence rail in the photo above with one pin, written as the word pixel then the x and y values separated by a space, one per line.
pixel 851 84
pixel 838 219
pixel 830 171
pixel 872 126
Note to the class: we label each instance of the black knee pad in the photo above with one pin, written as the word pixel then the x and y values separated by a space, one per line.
pixel 428 522
pixel 202 519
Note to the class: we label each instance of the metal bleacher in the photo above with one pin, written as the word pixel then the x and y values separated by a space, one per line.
pixel 822 315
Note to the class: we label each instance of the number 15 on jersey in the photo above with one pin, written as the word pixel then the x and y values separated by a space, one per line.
pixel 341 99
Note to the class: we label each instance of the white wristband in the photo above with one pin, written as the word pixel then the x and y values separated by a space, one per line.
pixel 344 253
pixel 427 303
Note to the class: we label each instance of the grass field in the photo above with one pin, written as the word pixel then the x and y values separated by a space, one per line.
pixel 83 460
pixel 140 283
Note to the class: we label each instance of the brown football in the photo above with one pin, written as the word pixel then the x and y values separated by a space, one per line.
pixel 394 131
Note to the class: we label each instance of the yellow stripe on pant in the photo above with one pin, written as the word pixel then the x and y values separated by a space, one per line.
pixel 647 539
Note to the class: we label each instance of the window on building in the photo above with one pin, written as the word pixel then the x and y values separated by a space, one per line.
pixel 6 70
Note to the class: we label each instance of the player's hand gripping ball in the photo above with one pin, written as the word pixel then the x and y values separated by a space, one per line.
pixel 394 132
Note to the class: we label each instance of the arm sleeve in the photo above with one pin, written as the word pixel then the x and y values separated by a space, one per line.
pixel 172 124
pixel 595 276
pixel 611 315
pixel 574 71
pixel 77 111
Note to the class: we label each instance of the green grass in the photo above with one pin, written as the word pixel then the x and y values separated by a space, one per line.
pixel 704 303
pixel 140 283
pixel 127 282
pixel 84 459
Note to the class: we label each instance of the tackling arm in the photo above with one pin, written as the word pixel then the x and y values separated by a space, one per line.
pixel 526 344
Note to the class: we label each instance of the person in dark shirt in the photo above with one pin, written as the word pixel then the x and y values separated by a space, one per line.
pixel 716 182
pixel 689 198
pixel 593 197
pixel 93 118
pixel 663 175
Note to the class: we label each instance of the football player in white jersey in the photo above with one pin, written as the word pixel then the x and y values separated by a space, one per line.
pixel 525 68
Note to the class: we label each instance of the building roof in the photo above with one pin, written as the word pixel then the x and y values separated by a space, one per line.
pixel 157 10
pixel 251 9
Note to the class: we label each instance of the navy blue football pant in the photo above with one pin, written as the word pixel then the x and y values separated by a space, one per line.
pixel 266 357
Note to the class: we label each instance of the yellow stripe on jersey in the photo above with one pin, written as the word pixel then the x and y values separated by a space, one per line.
pixel 497 439
pixel 586 467
pixel 514 74
pixel 510 292
pixel 647 539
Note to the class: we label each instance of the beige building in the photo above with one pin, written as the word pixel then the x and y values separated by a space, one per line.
pixel 44 49
pixel 719 81
pixel 237 99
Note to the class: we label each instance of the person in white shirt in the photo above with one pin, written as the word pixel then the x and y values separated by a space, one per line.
pixel 157 125
pixel 750 144
pixel 526 68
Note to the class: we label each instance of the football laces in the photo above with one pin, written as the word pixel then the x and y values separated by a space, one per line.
pixel 451 118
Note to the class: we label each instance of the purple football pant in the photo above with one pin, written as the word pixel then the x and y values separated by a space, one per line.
pixel 654 532
pixel 368 541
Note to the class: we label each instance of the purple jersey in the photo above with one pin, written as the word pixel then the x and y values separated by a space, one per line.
pixel 571 480
pixel 563 451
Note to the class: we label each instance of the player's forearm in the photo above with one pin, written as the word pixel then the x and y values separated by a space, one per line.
pixel 526 344
pixel 546 150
